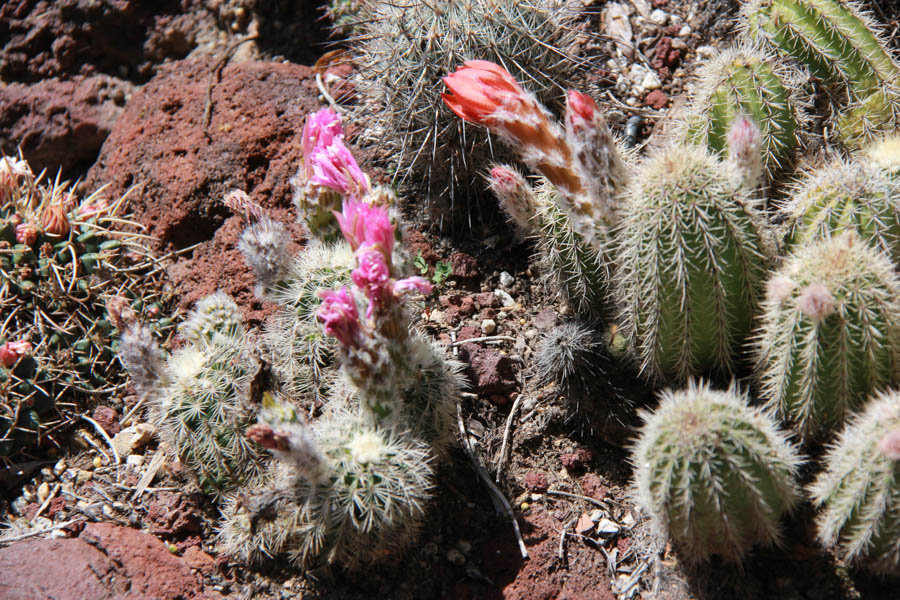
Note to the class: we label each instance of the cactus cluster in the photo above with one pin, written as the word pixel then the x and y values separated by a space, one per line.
pixel 61 255
pixel 707 271
pixel 351 486
pixel 403 50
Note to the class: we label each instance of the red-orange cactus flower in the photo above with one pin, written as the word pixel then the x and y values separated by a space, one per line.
pixel 479 88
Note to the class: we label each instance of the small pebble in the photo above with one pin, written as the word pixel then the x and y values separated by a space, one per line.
pixel 659 17
pixel 506 279
pixel 60 467
pixel 502 314
pixel 596 515
pixel 607 528
pixel 108 511
pixel 628 520
pixel 28 493
pixel 134 460
pixel 505 298
pixel 43 491
pixel 47 474
pixel 524 506
pixel 651 81
pixel 705 51
pixel 488 326
pixel 82 476
pixel 98 462
pixel 684 31
pixel 463 545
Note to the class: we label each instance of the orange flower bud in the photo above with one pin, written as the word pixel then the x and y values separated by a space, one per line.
pixel 54 220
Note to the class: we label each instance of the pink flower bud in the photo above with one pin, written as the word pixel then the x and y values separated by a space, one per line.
pixel 334 167
pixel 580 111
pixel 409 284
pixel 339 315
pixel 269 438
pixel 55 221
pixel 322 128
pixel 744 149
pixel 515 196
pixel 11 352
pixel 27 233
pixel 816 302
pixel 373 277
pixel 365 225
pixel 479 89
pixel 779 288
pixel 889 445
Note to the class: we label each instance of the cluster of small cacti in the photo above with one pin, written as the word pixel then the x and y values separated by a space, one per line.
pixel 713 262
pixel 60 256
pixel 350 487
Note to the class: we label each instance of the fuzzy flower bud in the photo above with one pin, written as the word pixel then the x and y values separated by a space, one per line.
pixel 816 302
pixel 27 233
pixel 779 288
pixel 264 245
pixel 322 128
pixel 141 355
pixel 515 196
pixel 290 442
pixel 54 220
pixel 373 277
pixel 334 167
pixel 889 445
pixel 744 150
pixel 11 352
pixel 411 284
pixel 239 202
pixel 581 110
pixel 339 315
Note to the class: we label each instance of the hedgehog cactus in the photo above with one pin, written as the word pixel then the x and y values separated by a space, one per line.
pixel 713 473
pixel 403 50
pixel 843 196
pixel 746 81
pixel 829 335
pixel 199 398
pixel 840 45
pixel 691 258
pixel 345 492
pixel 60 256
pixel 858 494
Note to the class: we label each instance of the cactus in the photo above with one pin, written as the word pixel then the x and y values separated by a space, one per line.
pixel 745 80
pixel 60 256
pixel 569 354
pixel 829 334
pixel 691 257
pixel 846 195
pixel 200 398
pixel 858 494
pixel 885 154
pixel 713 473
pixel 402 52
pixel 840 45
pixel 360 500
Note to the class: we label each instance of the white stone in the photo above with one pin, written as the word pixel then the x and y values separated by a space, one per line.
pixel 488 326
pixel 134 460
pixel 659 16
pixel 651 82
pixel 607 528
pixel 505 298
pixel 706 51
pixel 685 30
pixel 129 439
pixel 506 279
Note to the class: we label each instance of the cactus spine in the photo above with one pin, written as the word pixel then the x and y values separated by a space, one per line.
pixel 745 80
pixel 843 196
pixel 829 335
pixel 838 43
pixel 858 494
pixel 713 473
pixel 691 256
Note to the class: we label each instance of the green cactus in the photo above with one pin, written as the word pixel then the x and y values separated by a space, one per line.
pixel 885 155
pixel 361 500
pixel 746 80
pixel 846 195
pixel 858 494
pixel 404 50
pixel 201 402
pixel 61 255
pixel 840 45
pixel 302 356
pixel 713 473
pixel 829 335
pixel 691 255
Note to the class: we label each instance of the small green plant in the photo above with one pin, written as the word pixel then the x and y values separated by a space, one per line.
pixel 714 474
pixel 858 494
pixel 442 270
pixel 420 264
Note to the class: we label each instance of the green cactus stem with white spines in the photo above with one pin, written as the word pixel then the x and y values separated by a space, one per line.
pixel 363 503
pixel 829 334
pixel 692 249
pixel 403 51
pixel 846 195
pixel 858 493
pixel 840 45
pixel 714 474
pixel 747 81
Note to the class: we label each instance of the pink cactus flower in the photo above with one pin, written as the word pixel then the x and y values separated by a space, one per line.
pixel 816 302
pixel 365 225
pixel 27 233
pixel 410 284
pixel 322 128
pixel 333 166
pixel 339 315
pixel 479 89
pixel 580 111
pixel 11 352
pixel 373 277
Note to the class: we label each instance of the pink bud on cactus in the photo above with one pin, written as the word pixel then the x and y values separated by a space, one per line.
pixel 479 90
pixel 373 277
pixel 27 233
pixel 816 302
pixel 11 352
pixel 365 225
pixel 339 315
pixel 581 110
pixel 744 149
pixel 55 221
pixel 322 128
pixel 410 284
pixel 268 437
pixel 515 196
pixel 779 288
pixel 889 445
pixel 334 167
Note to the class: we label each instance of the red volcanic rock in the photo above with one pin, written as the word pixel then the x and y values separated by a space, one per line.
pixel 657 99
pixel 464 265
pixel 578 459
pixel 592 486
pixel 108 419
pixel 536 481
pixel 60 124
pixel 185 165
pixel 490 371
pixel 172 513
